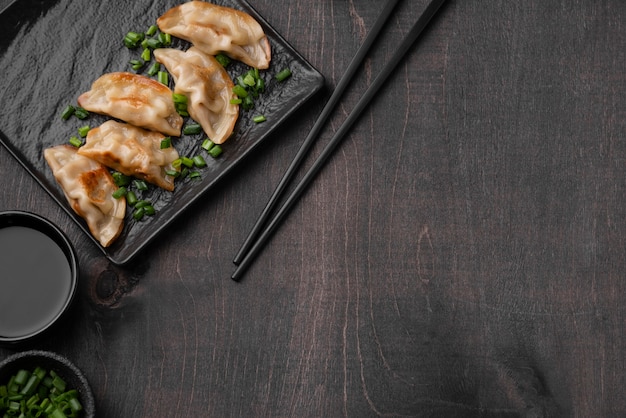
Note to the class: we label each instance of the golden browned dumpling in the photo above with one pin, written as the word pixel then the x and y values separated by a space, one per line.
pixel 208 87
pixel 135 99
pixel 88 187
pixel 132 151
pixel 217 29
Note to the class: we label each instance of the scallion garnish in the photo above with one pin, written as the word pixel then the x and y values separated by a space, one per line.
pixel 120 179
pixel 163 77
pixel 133 39
pixel 187 162
pixel 165 39
pixel 119 193
pixel 223 59
pixel 240 91
pixel 38 394
pixel 131 198
pixel 194 175
pixel 136 64
pixel 259 119
pixel 146 55
pixel 283 75
pixel 149 210
pixel 140 185
pixel 68 112
pixel 192 129
pixel 154 69
pixel 81 113
pixel 180 103
pixel 199 161
pixel 152 30
pixel 215 151
pixel 84 130
pixel 166 142
pixel 207 144
pixel 172 173
pixel 139 213
pixel 75 141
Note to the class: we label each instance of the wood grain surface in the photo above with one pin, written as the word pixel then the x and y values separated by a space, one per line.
pixel 462 255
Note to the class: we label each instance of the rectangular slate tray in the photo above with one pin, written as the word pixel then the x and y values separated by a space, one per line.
pixel 52 51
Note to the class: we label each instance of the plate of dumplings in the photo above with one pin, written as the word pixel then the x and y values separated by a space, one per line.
pixel 127 113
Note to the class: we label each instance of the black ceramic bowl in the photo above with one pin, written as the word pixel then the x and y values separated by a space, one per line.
pixel 29 360
pixel 38 276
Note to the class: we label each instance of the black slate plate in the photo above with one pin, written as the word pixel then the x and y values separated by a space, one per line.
pixel 52 51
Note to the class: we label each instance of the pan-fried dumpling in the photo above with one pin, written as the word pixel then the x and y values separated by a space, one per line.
pixel 218 29
pixel 208 87
pixel 132 151
pixel 135 99
pixel 88 187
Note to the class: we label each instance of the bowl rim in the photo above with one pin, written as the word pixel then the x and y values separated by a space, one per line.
pixel 37 222
pixel 64 366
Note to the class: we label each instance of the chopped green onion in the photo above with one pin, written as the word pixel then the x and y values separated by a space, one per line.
pixel 186 161
pixel 192 129
pixel 131 198
pixel 81 113
pixel 121 179
pixel 165 39
pixel 259 119
pixel 260 85
pixel 240 91
pixel 236 101
pixel 149 210
pixel 26 395
pixel 179 98
pixel 283 75
pixel 143 203
pixel 163 77
pixel 166 142
pixel 153 43
pixel 146 55
pixel 132 39
pixel 194 175
pixel 172 173
pixel 154 69
pixel 139 213
pixel 84 130
pixel 136 64
pixel 249 80
pixel 118 194
pixel 215 151
pixel 180 103
pixel 21 377
pixel 199 161
pixel 75 141
pixel 248 103
pixel 207 144
pixel 140 185
pixel 67 112
pixel 152 30
pixel 223 59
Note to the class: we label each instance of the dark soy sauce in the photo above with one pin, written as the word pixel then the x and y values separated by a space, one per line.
pixel 35 281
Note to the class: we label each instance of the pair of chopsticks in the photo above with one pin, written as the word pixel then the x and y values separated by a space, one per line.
pixel 258 236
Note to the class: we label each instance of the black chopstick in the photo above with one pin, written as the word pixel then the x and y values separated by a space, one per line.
pixel 363 102
pixel 317 127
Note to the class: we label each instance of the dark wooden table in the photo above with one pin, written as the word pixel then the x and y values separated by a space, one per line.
pixel 461 255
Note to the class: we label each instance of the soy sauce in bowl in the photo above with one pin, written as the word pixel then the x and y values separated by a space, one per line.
pixel 38 276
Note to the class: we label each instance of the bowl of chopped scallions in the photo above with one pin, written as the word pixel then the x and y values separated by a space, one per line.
pixel 43 384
